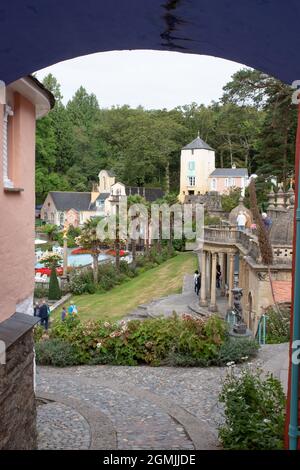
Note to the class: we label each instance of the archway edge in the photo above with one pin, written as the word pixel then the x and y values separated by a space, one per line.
pixel 262 34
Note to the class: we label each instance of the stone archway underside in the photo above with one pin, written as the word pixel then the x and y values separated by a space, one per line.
pixel 260 34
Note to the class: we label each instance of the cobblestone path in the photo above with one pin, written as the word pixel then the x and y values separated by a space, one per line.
pixel 109 407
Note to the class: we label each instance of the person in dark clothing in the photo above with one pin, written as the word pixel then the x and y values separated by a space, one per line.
pixel 44 314
pixel 36 310
pixel 197 282
pixel 63 313
pixel 219 274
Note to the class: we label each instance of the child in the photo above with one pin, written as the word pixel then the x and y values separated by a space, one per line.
pixel 63 313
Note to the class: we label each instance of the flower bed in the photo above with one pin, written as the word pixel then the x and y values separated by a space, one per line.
pixel 179 341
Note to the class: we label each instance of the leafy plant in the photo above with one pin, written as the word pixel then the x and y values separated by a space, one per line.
pixel 57 352
pixel 237 350
pixel 278 325
pixel 254 410
pixel 151 341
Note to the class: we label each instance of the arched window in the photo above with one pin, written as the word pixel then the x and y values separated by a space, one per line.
pixel 104 182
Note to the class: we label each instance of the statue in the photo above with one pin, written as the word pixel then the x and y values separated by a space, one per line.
pixel 239 326
pixel 65 229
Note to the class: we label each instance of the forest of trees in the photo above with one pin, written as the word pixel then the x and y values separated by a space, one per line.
pixel 253 125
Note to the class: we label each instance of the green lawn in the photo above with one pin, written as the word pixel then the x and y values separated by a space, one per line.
pixel 157 282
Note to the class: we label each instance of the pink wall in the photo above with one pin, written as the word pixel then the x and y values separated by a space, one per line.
pixel 17 210
pixel 220 184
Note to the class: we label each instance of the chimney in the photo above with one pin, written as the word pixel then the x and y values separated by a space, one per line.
pixel 233 166
pixel 95 193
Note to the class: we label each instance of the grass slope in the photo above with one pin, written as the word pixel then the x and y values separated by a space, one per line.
pixel 157 282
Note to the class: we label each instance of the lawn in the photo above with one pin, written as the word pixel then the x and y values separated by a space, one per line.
pixel 157 282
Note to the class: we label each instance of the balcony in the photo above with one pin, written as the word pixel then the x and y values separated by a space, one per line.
pixel 247 243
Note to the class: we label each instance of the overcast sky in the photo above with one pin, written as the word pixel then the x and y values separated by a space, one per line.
pixel 152 79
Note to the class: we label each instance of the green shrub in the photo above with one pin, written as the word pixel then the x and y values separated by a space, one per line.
pixel 41 292
pixel 254 411
pixel 54 289
pixel 211 220
pixel 81 281
pixel 57 353
pixel 231 200
pixel 151 341
pixel 236 350
pixel 278 325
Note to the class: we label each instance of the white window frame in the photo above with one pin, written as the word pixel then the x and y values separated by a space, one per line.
pixel 214 184
pixel 191 181
pixel 8 112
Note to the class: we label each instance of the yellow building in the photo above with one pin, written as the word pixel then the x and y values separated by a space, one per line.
pixel 197 162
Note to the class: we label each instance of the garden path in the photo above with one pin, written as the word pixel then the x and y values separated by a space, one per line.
pixel 114 407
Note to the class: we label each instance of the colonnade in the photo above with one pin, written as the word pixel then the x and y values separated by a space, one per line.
pixel 210 259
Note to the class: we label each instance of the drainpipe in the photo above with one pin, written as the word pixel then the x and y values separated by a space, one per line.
pixel 293 391
pixel 294 400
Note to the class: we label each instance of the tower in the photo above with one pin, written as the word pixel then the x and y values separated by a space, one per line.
pixel 197 162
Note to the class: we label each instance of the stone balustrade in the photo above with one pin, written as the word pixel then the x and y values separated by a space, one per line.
pixel 232 237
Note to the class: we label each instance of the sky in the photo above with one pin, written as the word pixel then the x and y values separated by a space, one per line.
pixel 152 79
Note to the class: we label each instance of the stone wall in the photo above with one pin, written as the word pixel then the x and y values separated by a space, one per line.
pixel 17 400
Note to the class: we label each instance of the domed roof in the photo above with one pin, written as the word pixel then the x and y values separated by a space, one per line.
pixel 240 208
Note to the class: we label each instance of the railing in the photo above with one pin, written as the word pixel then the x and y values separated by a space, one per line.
pixel 226 235
pixel 249 241
pixel 261 332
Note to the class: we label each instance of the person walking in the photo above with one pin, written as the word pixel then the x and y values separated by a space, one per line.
pixel 44 314
pixel 241 221
pixel 72 310
pixel 36 310
pixel 63 313
pixel 197 282
pixel 267 221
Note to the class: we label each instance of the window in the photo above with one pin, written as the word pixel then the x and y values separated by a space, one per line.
pixel 62 218
pixel 100 204
pixel 8 113
pixel 213 184
pixel 191 181
pixel 191 166
pixel 192 151
pixel 104 183
pixel 231 182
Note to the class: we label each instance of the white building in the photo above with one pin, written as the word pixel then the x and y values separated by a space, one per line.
pixel 199 175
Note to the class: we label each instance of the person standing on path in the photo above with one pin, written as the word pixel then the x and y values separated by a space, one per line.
pixel 44 314
pixel 63 313
pixel 241 221
pixel 197 282
pixel 36 310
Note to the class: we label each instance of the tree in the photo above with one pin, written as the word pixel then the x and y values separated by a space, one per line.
pixel 52 261
pixel 89 240
pixel 54 289
pixel 131 201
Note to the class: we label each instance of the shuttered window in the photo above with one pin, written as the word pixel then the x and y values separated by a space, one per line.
pixel 8 113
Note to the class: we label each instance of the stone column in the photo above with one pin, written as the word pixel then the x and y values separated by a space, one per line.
pixel 241 272
pixel 213 298
pixel 203 301
pixel 65 252
pixel 230 280
pixel 223 274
